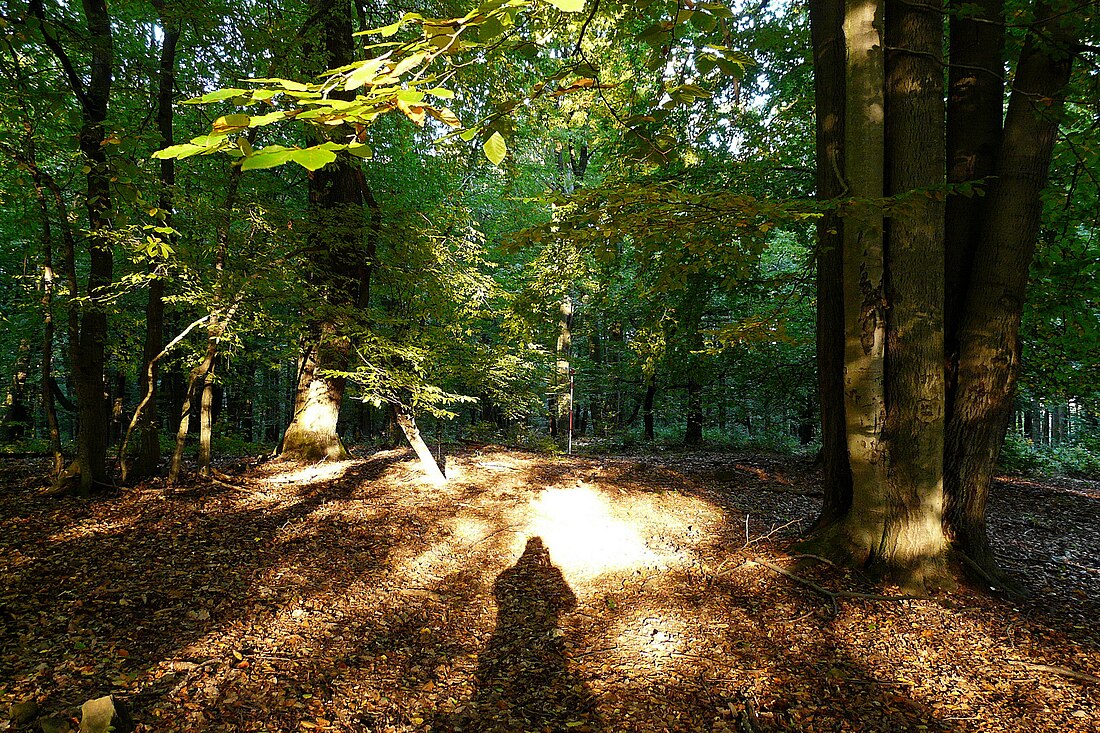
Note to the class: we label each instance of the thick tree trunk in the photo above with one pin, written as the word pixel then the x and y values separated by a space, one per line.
pixel 858 536
pixel 88 322
pixel 342 270
pixel 311 435
pixel 913 545
pixel 989 353
pixel 826 24
pixel 975 113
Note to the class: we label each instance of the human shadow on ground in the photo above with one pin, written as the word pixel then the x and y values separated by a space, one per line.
pixel 523 679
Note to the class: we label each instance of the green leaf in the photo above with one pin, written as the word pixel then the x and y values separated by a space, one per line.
pixel 217 96
pixel 568 6
pixel 359 150
pixel 495 148
pixel 313 158
pixel 186 150
pixel 269 157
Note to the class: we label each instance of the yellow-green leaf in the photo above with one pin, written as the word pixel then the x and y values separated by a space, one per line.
pixel 269 157
pixel 313 158
pixel 568 6
pixel 229 123
pixel 495 148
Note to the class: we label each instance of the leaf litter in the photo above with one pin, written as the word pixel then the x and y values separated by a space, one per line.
pixel 530 593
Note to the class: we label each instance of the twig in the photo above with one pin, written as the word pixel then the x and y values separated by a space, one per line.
pixel 1054 669
pixel 825 560
pixel 494 533
pixel 765 536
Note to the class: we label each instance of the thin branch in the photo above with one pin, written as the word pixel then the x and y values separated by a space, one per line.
pixel 584 28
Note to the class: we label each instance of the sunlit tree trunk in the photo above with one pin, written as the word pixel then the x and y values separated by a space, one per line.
pixel 913 546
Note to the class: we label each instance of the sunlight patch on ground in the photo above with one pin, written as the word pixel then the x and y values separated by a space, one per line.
pixel 93 528
pixel 309 474
pixel 585 537
pixel 651 635
pixel 590 532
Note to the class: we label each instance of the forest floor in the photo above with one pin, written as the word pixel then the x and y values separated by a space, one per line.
pixel 531 593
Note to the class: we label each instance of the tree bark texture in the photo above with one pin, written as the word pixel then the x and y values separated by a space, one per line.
pixel 989 345
pixel 913 545
pixel 975 114
pixel 864 297
pixel 827 31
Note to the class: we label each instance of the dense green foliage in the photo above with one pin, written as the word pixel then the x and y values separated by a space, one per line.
pixel 649 163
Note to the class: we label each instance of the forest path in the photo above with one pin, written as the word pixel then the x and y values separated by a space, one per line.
pixel 529 593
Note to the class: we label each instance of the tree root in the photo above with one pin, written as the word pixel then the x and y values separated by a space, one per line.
pixel 1054 669
pixel 833 596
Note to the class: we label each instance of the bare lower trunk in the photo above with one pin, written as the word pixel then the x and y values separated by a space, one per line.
pixel 915 292
pixel 407 422
pixel 693 429
pixel 311 435
pixel 206 423
pixel 195 383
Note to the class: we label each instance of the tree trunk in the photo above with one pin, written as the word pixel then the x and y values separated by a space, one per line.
pixel 975 114
pixel 693 428
pixel 862 534
pixel 311 435
pixel 913 545
pixel 826 23
pixel 88 321
pixel 407 422
pixel 147 460
pixel 563 405
pixel 336 198
pixel 46 393
pixel 206 423
pixel 989 353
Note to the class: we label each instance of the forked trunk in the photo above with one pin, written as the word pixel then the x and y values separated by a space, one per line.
pixel 989 352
